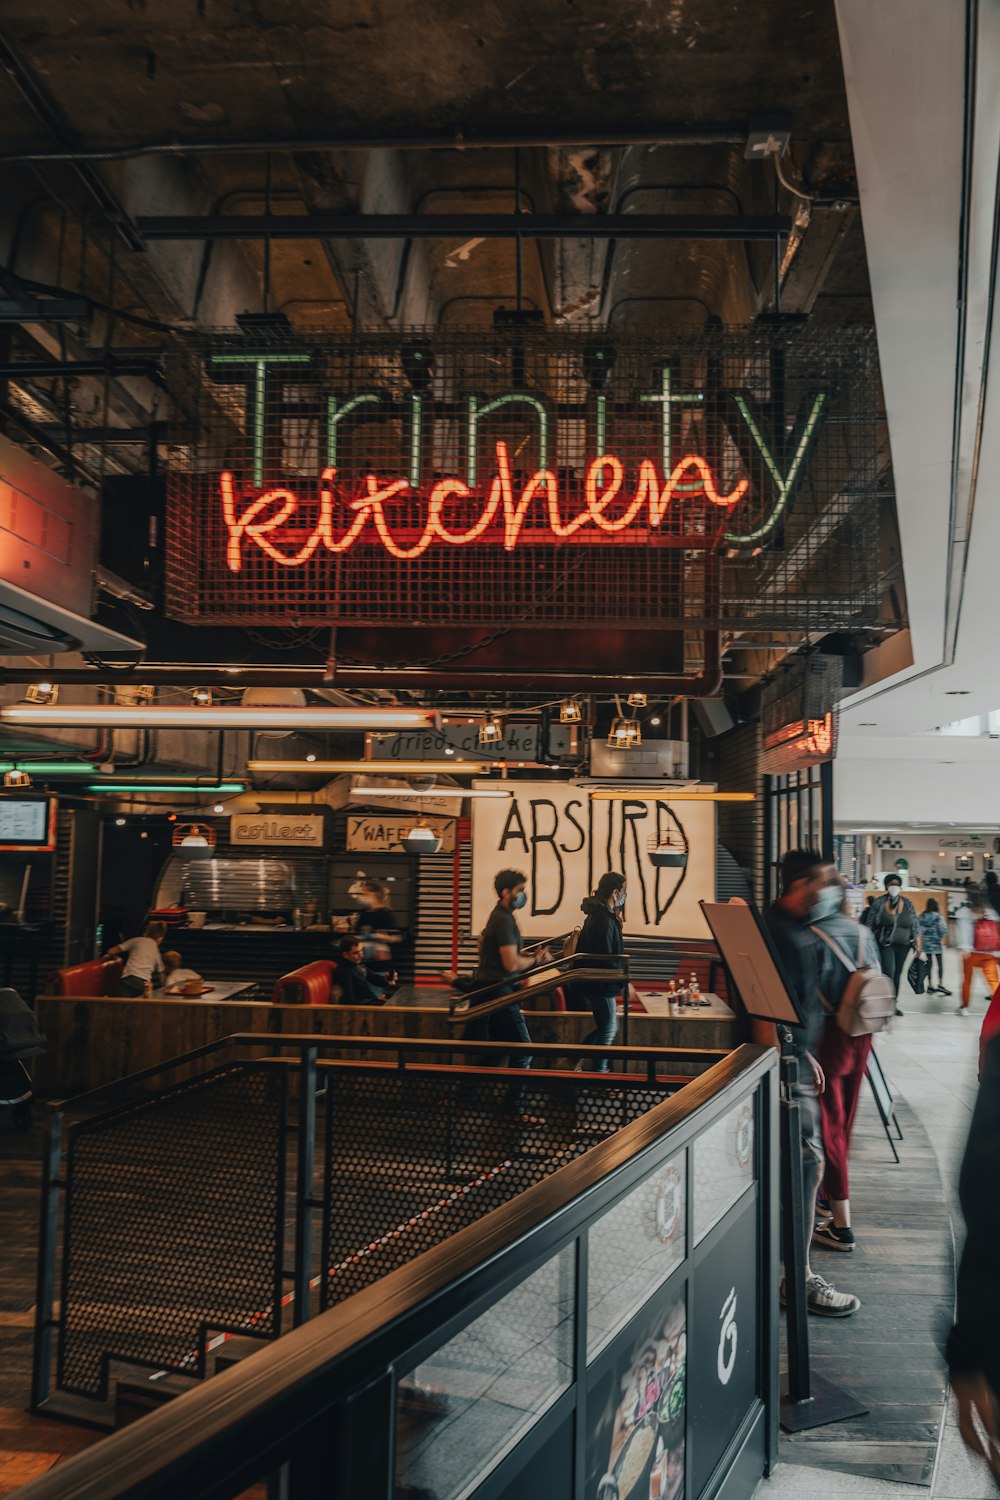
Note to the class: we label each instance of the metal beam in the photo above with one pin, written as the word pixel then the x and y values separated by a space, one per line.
pixel 50 369
pixel 44 309
pixel 465 226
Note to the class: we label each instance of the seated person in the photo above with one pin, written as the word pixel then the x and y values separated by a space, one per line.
pixel 381 932
pixel 174 976
pixel 352 976
pixel 142 960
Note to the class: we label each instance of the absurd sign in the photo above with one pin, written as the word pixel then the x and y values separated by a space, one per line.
pixel 564 842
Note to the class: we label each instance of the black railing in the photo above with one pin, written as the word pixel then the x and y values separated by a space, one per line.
pixel 505 1350
pixel 187 1217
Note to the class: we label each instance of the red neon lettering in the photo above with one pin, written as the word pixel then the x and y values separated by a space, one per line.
pixel 262 515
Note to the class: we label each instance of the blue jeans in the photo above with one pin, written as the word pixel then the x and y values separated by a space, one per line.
pixel 811 1145
pixel 605 1029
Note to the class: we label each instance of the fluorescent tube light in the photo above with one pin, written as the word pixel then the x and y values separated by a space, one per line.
pixel 213 716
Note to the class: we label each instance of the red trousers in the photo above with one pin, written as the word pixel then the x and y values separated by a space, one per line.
pixel 843 1059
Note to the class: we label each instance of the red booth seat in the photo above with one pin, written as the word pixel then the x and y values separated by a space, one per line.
pixel 98 976
pixel 311 985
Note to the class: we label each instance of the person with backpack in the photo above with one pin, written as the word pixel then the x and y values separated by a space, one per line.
pixel 933 930
pixel 894 923
pixel 601 936
pixel 978 932
pixel 849 979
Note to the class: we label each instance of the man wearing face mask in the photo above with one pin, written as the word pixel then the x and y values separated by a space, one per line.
pixel 601 935
pixel 501 965
pixel 894 923
pixel 843 1058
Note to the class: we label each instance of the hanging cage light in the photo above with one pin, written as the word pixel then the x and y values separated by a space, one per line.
pixel 624 734
pixel 490 730
pixel 570 711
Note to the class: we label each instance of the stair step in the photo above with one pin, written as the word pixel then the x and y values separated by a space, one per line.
pixel 137 1395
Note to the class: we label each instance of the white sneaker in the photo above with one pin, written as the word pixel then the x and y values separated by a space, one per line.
pixel 824 1299
pixel 963 1010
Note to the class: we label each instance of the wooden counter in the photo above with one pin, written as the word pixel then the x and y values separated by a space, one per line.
pixel 93 1041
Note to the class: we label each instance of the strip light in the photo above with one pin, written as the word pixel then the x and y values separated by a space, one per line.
pixel 461 792
pixel 49 767
pixel 664 794
pixel 216 716
pixel 113 788
pixel 454 767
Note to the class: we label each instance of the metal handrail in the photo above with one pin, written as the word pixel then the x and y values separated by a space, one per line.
pixel 262 1412
pixel 544 985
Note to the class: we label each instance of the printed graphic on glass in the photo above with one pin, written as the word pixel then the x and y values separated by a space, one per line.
pixel 635 1447
pixel 723 1166
pixel 632 1250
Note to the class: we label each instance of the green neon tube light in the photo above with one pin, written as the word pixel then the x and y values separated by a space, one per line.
pixel 112 788
pixel 49 767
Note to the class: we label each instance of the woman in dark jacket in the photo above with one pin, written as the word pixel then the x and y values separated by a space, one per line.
pixel 601 936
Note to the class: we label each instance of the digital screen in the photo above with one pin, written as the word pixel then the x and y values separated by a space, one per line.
pixel 24 822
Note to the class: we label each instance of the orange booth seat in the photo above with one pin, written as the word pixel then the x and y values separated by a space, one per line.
pixel 98 976
pixel 311 985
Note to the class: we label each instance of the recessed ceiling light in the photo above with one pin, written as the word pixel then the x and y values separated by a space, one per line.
pixel 867 724
pixel 958 692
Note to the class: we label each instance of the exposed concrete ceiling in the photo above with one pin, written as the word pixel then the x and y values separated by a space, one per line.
pixel 659 94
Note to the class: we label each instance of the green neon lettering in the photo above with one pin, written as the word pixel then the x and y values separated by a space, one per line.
pixel 335 414
pixel 784 485
pixel 476 412
pixel 260 363
pixel 602 427
pixel 667 399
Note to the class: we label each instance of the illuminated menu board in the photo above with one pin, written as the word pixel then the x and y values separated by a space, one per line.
pixel 24 822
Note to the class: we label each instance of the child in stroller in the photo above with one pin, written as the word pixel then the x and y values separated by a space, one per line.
pixel 19 1038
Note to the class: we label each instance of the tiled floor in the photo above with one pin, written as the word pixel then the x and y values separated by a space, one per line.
pixel 930 1058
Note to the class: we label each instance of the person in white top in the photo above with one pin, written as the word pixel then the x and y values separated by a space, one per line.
pixel 174 976
pixel 142 960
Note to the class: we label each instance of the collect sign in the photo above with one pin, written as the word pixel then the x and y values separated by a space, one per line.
pixel 564 843
pixel 273 830
pixel 373 834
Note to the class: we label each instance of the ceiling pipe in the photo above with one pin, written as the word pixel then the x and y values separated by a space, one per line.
pixel 458 139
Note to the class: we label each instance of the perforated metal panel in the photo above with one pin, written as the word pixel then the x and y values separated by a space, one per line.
pixel 413 1157
pixel 173 1227
pixel 348 479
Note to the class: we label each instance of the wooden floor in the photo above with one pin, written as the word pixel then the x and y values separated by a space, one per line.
pixel 889 1353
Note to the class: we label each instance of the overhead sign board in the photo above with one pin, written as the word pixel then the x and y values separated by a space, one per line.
pixel 519 742
pixel 520 474
pixel 277 830
pixel 370 834
pixel 564 842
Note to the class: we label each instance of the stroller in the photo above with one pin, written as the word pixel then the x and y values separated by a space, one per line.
pixel 19 1038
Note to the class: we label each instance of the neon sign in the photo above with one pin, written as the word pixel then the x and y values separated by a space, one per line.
pixel 256 515
pixel 259 519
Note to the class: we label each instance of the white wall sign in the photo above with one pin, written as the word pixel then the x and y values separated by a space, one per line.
pixel 271 830
pixel 368 834
pixel 520 742
pixel 564 843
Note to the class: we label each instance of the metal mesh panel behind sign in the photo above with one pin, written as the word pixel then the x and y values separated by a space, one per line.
pixel 800 715
pixel 172 1228
pixel 452 479
pixel 413 1157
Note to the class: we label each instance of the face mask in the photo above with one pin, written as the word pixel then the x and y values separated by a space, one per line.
pixel 894 893
pixel 620 899
pixel 518 902
pixel 828 902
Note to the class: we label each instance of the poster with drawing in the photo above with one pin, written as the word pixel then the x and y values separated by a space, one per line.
pixel 564 841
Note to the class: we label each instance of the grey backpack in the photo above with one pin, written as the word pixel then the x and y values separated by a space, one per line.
pixel 868 1003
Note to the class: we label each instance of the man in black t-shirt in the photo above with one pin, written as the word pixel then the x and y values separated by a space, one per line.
pixel 501 964
pixel 351 975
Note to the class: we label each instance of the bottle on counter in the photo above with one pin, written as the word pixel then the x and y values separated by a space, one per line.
pixel 147 989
